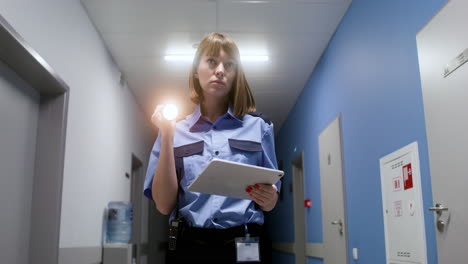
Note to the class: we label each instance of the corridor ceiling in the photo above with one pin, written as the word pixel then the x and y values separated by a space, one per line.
pixel 293 33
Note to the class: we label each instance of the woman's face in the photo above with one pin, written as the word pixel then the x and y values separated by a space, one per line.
pixel 216 75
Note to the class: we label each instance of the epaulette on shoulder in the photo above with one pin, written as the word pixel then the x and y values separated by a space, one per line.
pixel 259 114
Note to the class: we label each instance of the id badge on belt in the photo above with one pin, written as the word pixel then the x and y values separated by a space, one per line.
pixel 247 248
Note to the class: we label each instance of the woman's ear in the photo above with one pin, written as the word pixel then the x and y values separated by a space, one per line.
pixel 195 75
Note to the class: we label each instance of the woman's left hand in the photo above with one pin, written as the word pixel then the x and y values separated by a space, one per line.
pixel 264 195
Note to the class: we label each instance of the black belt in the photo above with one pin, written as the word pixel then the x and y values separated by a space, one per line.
pixel 214 234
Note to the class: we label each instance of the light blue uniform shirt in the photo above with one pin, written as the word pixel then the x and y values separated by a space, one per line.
pixel 196 142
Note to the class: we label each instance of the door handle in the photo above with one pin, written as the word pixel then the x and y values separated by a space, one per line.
pixel 339 223
pixel 438 208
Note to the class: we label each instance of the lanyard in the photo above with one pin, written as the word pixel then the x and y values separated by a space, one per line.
pixel 246 229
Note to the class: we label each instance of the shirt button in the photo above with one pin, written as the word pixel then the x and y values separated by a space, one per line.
pixel 214 127
pixel 216 153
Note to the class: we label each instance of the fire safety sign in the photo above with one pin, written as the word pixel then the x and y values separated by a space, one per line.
pixel 407 176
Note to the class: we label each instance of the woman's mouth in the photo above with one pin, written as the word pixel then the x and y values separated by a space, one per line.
pixel 217 82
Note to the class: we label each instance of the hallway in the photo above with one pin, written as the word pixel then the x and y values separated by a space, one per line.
pixel 351 89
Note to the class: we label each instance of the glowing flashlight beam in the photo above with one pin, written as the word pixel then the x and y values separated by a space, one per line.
pixel 170 111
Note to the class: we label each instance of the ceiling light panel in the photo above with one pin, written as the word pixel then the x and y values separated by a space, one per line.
pixel 189 58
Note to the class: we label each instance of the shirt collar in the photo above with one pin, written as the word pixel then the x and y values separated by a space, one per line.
pixel 196 115
pixel 232 114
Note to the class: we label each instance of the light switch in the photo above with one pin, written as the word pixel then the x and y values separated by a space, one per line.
pixel 355 253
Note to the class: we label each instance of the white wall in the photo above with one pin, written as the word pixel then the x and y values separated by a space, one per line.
pixel 104 124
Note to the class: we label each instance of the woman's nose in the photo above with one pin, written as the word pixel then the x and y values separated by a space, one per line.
pixel 220 70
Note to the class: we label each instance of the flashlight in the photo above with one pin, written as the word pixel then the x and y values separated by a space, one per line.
pixel 170 111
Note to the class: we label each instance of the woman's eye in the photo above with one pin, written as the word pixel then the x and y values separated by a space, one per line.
pixel 229 65
pixel 211 62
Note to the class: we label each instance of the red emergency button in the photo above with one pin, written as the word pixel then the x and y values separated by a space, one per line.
pixel 307 203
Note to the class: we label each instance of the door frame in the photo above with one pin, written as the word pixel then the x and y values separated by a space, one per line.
pixel 18 55
pixel 298 171
pixel 136 197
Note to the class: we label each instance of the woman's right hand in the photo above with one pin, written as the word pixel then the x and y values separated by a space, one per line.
pixel 167 127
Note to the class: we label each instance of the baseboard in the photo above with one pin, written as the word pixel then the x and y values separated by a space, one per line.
pixel 314 250
pixel 80 255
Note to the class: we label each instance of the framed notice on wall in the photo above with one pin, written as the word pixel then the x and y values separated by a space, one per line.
pixel 405 239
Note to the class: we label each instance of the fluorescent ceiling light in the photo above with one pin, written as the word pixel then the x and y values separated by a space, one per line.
pixel 189 58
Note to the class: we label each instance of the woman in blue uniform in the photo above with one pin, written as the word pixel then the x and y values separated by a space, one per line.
pixel 224 125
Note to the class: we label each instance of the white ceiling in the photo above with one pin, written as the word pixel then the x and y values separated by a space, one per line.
pixel 294 33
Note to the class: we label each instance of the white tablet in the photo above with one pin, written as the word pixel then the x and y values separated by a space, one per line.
pixel 230 178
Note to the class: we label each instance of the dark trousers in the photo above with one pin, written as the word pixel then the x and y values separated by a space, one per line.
pixel 200 245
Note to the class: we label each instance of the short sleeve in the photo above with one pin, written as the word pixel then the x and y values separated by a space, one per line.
pixel 269 154
pixel 153 161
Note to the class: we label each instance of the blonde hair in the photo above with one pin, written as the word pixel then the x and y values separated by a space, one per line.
pixel 240 96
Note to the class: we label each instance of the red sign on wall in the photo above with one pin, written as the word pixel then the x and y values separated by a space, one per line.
pixel 407 177
pixel 397 184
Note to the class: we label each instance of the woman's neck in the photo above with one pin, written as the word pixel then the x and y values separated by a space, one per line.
pixel 213 109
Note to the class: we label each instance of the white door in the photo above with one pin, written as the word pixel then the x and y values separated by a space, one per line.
pixel 299 211
pixel 446 110
pixel 331 182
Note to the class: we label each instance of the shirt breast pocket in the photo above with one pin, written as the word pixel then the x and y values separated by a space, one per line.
pixel 246 151
pixel 186 158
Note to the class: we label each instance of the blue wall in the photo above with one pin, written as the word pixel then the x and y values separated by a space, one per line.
pixel 369 73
